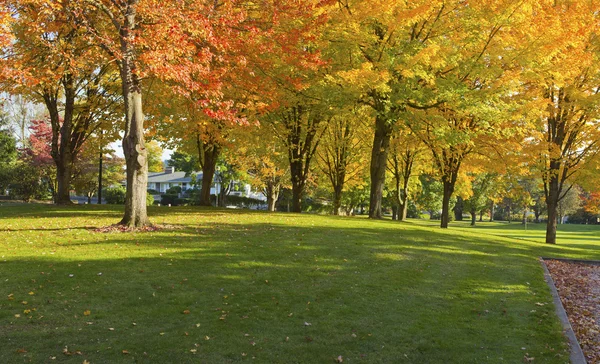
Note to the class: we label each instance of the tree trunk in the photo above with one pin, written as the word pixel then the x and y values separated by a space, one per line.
pixel 337 200
pixel 448 191
pixel 551 225
pixel 100 170
pixel 473 217
pixel 136 155
pixel 272 193
pixel 458 209
pixel 297 192
pixel 524 222
pixel 395 212
pixel 63 179
pixel 481 216
pixel 208 173
pixel 381 143
pixel 492 207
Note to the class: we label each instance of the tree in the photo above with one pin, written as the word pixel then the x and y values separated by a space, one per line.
pixel 341 153
pixel 480 186
pixel 429 197
pixel 405 151
pixel 53 64
pixel 155 152
pixel 570 203
pixel 563 99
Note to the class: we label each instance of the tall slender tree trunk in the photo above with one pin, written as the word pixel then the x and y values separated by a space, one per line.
pixel 473 217
pixel 100 171
pixel 379 152
pixel 136 155
pixel 492 210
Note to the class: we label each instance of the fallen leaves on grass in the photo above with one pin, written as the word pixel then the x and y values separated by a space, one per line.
pixel 126 229
pixel 578 285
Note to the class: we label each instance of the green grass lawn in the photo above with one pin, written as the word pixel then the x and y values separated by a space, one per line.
pixel 222 286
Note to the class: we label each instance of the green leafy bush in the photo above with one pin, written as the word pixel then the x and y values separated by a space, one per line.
pixel 115 195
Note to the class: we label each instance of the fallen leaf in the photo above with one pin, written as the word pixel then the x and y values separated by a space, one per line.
pixel 125 352
pixel 86 312
pixel 339 359
pixel 31 293
pixel 307 324
pixel 186 312
pixel 21 350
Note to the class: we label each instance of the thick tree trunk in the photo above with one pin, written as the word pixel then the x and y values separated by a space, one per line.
pixel 136 155
pixel 337 200
pixel 448 191
pixel 481 216
pixel 63 179
pixel 395 212
pixel 379 152
pixel 473 217
pixel 208 173
pixel 297 193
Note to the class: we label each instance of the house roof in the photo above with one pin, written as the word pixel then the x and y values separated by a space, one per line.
pixel 174 177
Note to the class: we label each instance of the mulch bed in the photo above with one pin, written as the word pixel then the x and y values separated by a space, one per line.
pixel 578 285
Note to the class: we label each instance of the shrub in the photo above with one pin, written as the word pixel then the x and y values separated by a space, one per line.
pixel 175 190
pixel 115 195
pixel 167 199
pixel 149 199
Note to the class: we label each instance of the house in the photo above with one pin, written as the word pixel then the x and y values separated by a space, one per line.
pixel 162 181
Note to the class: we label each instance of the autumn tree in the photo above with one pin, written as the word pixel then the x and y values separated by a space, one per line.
pixel 341 155
pixel 406 150
pixel 562 87
pixel 51 63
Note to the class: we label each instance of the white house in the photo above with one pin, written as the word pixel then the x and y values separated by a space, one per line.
pixel 162 181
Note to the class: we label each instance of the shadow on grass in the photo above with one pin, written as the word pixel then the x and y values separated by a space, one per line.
pixel 370 291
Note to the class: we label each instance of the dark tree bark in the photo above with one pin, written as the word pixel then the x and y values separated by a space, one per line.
pixel 458 209
pixel 448 191
pixel 492 210
pixel 379 153
pixel 208 155
pixel 473 217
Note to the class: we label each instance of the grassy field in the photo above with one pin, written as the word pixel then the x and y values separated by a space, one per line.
pixel 219 286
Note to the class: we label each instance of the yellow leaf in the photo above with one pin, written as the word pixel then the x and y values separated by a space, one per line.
pixel 86 312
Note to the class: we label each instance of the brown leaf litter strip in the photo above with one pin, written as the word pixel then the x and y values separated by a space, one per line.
pixel 578 286
pixel 126 229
